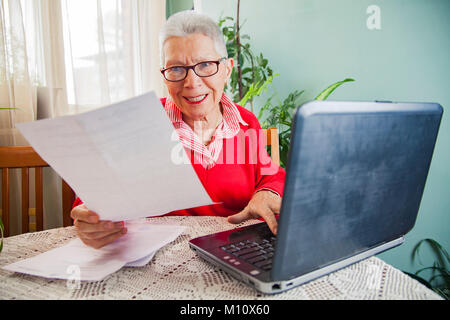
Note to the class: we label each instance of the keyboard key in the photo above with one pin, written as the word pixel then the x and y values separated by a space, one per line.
pixel 245 251
pixel 256 259
pixel 263 263
pixel 259 252
pixel 251 255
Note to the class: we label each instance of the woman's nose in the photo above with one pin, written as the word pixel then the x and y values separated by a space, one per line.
pixel 192 79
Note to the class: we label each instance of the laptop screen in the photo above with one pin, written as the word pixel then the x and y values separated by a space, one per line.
pixel 355 178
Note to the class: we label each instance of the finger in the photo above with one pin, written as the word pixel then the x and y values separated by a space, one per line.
pixel 76 211
pixel 269 216
pixel 239 217
pixel 101 226
pixel 99 235
pixel 99 243
pixel 84 214
pixel 275 205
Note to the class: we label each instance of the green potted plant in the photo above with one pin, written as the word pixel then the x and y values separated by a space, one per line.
pixel 280 115
pixel 252 73
pixel 252 77
pixel 439 280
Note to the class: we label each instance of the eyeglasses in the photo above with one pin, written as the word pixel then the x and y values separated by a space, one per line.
pixel 202 69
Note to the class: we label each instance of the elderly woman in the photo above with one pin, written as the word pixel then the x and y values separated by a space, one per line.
pixel 212 129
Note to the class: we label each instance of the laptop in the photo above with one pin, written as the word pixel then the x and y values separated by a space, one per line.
pixel 355 177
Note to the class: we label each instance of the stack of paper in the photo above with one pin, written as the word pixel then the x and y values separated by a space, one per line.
pixel 76 261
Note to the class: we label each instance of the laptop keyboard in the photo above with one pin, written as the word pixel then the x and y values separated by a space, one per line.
pixel 258 253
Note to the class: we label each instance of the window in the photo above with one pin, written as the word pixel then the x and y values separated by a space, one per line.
pixel 99 54
pixel 97 51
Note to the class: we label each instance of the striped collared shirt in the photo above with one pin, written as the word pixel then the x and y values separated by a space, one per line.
pixel 207 156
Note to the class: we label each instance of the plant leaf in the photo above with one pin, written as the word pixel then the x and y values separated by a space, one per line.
pixel 420 279
pixel 256 90
pixel 439 266
pixel 444 292
pixel 325 93
pixel 441 254
pixel 434 268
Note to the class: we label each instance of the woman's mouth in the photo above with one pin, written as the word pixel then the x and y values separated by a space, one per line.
pixel 196 100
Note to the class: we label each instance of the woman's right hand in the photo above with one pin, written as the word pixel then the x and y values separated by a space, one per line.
pixel 94 232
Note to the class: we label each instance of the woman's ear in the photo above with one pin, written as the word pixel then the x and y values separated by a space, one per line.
pixel 230 65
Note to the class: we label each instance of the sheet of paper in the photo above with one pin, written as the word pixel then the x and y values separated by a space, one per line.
pixel 141 262
pixel 77 261
pixel 139 225
pixel 124 161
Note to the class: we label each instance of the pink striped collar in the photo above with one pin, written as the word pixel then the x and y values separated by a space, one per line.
pixel 230 126
pixel 231 115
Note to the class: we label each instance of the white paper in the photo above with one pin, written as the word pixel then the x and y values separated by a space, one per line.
pixel 141 262
pixel 123 160
pixel 137 247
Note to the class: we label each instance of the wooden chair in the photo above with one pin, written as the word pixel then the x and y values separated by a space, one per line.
pixel 272 141
pixel 25 158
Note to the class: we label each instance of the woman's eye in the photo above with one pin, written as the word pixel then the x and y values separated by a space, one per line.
pixel 176 69
pixel 205 65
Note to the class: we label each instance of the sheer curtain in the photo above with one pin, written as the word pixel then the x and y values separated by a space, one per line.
pixel 17 79
pixel 60 57
pixel 112 50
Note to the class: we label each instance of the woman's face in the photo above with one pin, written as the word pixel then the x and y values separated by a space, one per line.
pixel 197 97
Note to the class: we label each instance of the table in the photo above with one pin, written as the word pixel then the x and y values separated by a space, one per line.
pixel 176 272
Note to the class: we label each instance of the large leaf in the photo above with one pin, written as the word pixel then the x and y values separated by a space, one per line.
pixel 325 93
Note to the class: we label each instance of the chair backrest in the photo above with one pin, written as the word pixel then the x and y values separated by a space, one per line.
pixel 25 157
pixel 272 141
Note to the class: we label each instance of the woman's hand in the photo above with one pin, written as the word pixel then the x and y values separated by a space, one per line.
pixel 264 204
pixel 92 231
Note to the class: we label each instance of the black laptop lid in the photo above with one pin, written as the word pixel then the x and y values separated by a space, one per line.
pixel 355 177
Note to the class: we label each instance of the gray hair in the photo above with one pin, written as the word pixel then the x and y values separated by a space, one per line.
pixel 188 22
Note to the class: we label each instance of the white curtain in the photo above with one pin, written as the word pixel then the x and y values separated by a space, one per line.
pixel 17 89
pixel 60 57
pixel 112 47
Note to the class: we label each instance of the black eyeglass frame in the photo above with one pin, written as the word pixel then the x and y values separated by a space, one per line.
pixel 217 62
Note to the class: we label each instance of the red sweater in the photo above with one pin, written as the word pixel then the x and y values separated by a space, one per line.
pixel 233 182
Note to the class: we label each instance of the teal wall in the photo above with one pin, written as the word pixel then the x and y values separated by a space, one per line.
pixel 174 6
pixel 313 43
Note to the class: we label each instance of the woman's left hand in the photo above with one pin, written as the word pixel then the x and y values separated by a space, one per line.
pixel 264 204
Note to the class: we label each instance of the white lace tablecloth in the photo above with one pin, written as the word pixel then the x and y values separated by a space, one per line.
pixel 176 272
